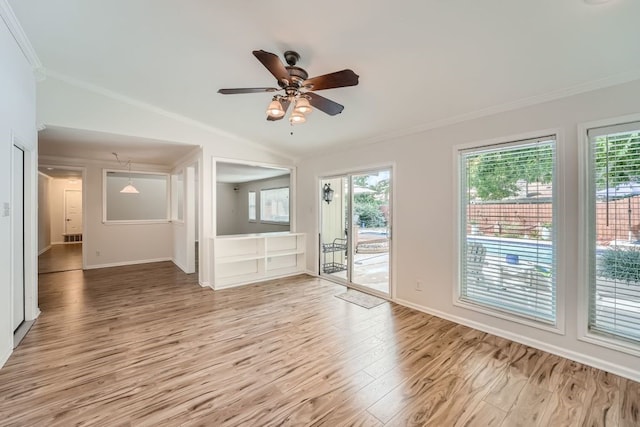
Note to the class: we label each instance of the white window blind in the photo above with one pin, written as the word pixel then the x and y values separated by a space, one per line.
pixel 252 205
pixel 274 205
pixel 614 231
pixel 508 245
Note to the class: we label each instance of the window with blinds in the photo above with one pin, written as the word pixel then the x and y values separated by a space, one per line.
pixel 614 231
pixel 507 228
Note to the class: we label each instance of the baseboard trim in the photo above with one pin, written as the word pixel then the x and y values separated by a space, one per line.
pixel 253 282
pixel 179 265
pixel 44 250
pixel 5 356
pixel 123 263
pixel 558 351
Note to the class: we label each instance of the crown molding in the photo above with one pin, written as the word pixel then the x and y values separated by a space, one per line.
pixel 590 86
pixel 160 111
pixel 113 164
pixel 16 30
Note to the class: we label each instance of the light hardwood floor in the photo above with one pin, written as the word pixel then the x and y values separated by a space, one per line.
pixel 61 258
pixel 145 345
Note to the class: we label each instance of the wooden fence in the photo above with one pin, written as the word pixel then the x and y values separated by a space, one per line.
pixel 615 220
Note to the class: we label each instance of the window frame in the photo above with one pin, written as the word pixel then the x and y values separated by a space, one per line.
pixel 261 199
pixel 178 185
pixel 255 206
pixel 586 238
pixel 166 220
pixel 558 220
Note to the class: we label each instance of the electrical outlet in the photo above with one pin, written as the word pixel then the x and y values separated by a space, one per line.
pixel 419 285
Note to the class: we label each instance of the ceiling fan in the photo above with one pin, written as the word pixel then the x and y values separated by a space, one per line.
pixel 297 87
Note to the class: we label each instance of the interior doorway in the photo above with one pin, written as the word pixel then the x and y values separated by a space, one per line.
pixel 17 225
pixel 355 230
pixel 60 219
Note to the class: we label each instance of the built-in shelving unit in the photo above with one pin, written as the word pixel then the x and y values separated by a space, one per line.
pixel 247 258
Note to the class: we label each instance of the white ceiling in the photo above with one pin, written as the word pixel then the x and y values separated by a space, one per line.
pixel 82 144
pixel 236 173
pixel 58 172
pixel 421 63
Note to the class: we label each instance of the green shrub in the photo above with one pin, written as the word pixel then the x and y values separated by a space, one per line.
pixel 621 264
pixel 370 214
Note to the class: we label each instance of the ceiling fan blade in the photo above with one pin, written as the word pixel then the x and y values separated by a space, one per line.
pixel 323 104
pixel 285 106
pixel 273 64
pixel 247 90
pixel 333 80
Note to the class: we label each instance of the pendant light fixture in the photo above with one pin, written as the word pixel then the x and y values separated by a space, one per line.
pixel 129 188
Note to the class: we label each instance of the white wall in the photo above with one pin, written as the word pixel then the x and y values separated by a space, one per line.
pixel 17 119
pixel 233 207
pixel 226 209
pixel 44 213
pixel 425 221
pixel 184 231
pixel 56 206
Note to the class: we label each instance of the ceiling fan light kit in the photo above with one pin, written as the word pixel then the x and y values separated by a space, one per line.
pixel 297 88
pixel 275 109
pixel 296 118
pixel 303 106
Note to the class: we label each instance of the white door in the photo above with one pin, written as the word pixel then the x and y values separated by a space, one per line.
pixel 17 224
pixel 73 211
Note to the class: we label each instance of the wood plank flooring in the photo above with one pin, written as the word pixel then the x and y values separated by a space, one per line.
pixel 145 345
pixel 61 258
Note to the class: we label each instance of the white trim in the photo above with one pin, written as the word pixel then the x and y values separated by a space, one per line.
pixel 166 220
pixel 160 111
pixel 63 165
pixel 44 250
pixel 584 221
pixel 558 211
pixel 7 354
pixel 346 173
pixel 137 221
pixel 255 281
pixel 16 30
pixel 293 196
pixel 179 265
pixel 496 312
pixel 123 263
pixel 559 351
pixel 76 163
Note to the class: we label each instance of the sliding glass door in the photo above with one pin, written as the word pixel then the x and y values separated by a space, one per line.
pixel 355 230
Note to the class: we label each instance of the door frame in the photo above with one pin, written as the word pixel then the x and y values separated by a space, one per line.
pixel 392 246
pixel 30 227
pixel 18 236
pixel 85 236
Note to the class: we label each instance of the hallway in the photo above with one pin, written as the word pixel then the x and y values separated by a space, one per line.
pixel 61 258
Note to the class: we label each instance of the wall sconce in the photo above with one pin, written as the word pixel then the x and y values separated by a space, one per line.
pixel 327 193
